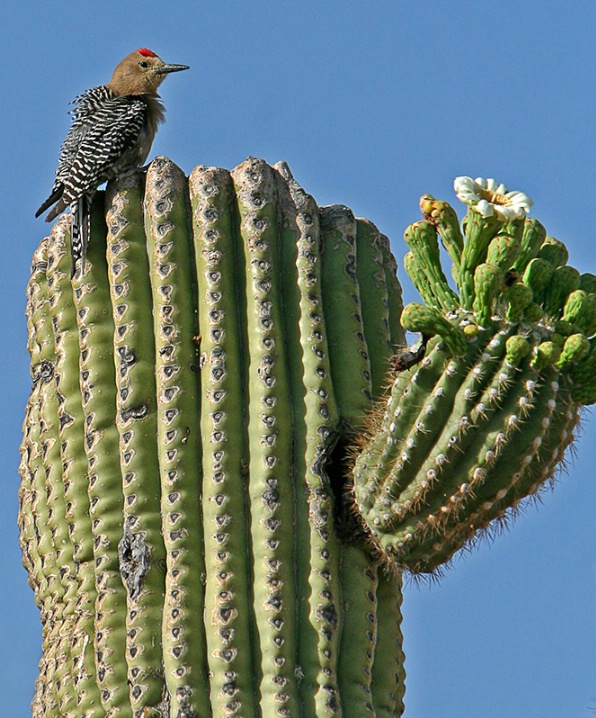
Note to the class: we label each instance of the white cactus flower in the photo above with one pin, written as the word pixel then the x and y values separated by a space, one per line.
pixel 489 198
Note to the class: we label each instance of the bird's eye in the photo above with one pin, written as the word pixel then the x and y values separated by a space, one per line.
pixel 144 64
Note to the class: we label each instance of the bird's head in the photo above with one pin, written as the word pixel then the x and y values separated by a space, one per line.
pixel 141 73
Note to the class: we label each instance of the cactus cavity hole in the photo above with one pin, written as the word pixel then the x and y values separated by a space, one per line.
pixel 135 560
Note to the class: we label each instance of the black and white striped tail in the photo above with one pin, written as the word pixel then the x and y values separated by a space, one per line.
pixel 80 234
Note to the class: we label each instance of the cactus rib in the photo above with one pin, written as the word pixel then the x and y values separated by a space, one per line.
pixel 178 410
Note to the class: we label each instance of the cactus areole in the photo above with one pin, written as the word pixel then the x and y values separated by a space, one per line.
pixel 229 456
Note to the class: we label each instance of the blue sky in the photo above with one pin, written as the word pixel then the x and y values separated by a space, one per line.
pixel 372 104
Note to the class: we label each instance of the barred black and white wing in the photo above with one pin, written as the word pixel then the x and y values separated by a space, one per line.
pixel 110 144
pixel 108 135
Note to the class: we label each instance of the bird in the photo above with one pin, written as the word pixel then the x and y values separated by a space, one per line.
pixel 111 134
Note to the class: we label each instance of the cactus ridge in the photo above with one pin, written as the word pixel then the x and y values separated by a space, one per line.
pixel 227 582
pixel 104 483
pixel 195 393
pixel 74 464
pixel 484 419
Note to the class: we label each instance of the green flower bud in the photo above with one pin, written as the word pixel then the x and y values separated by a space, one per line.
pixel 518 349
pixel 554 252
pixel 428 320
pixel 576 347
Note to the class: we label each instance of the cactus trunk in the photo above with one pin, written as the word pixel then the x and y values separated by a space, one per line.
pixel 179 456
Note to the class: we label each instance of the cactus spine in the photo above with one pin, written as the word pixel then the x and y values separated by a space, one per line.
pixel 195 537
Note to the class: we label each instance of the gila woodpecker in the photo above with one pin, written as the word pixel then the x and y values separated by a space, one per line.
pixel 112 132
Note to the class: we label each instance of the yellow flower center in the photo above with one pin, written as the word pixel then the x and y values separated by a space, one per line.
pixel 494 197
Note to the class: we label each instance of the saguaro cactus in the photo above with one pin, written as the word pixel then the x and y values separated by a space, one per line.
pixel 213 516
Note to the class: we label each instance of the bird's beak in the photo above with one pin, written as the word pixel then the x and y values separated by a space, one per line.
pixel 164 69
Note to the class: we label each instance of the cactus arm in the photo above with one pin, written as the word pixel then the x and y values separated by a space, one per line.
pixel 417 442
pixel 464 472
pixel 96 332
pixel 388 673
pixel 74 466
pixel 371 277
pixel 270 427
pixel 532 420
pixel 535 465
pixel 178 411
pixel 343 313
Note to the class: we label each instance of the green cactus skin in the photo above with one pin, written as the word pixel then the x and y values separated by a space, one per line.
pixel 225 520
pixel 141 549
pixel 583 374
pixel 503 251
pixel 105 487
pixel 564 281
pixel 489 280
pixel 424 267
pixel 270 437
pixel 442 216
pixel 62 560
pixel 429 320
pixel 580 311
pixel 388 673
pixel 176 369
pixel 33 507
pixel 315 419
pixel 74 465
pixel 554 252
pixel 478 232
pixel 587 282
pixel 395 304
pixel 518 297
pixel 533 236
pixel 348 352
pixel 47 504
pixel 485 418
pixel 372 280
